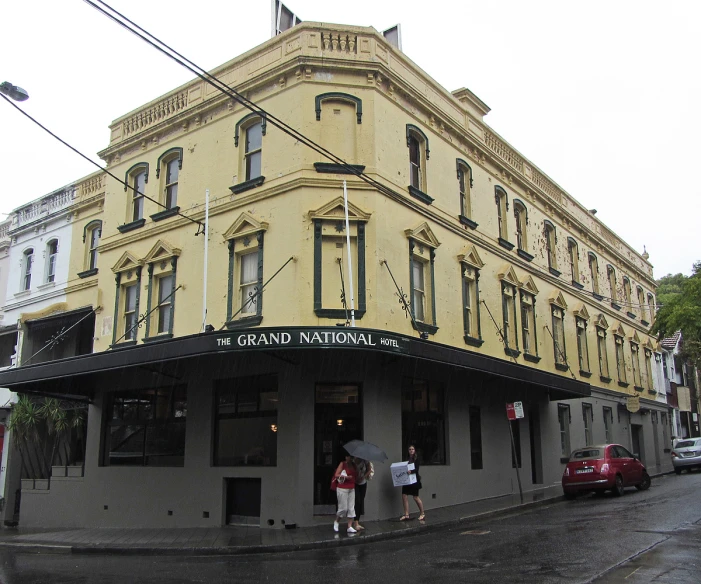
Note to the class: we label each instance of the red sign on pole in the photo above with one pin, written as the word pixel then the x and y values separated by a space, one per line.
pixel 514 411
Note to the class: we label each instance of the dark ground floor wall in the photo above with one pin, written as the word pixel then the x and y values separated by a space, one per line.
pixel 195 494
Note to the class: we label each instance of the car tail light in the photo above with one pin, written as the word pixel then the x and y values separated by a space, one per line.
pixel 567 472
pixel 604 468
pixel 674 454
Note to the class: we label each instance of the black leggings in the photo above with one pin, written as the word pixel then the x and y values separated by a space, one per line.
pixel 360 500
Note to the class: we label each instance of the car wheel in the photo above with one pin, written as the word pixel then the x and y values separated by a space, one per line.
pixel 618 490
pixel 678 471
pixel 644 485
pixel 569 495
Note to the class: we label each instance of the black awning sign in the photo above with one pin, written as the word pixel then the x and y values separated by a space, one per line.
pixel 280 339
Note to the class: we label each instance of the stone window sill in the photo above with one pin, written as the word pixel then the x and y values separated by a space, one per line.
pixel 165 214
pixel 247 185
pixel 561 367
pixel 506 244
pixel 467 221
pixel 524 254
pixel 420 195
pixel 131 226
pixel 87 273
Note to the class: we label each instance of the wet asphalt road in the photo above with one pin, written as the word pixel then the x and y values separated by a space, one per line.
pixel 654 536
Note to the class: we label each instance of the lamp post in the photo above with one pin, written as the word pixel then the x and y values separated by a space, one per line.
pixel 12 91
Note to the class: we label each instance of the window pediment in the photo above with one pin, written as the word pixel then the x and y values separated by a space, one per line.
pixel 619 331
pixel 634 338
pixel 528 285
pixel 470 257
pixel 508 274
pixel 423 234
pixel 557 299
pixel 335 210
pixel 581 311
pixel 161 251
pixel 245 224
pixel 601 322
pixel 127 262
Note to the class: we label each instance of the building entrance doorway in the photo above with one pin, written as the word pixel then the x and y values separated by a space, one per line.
pixel 337 420
pixel 636 432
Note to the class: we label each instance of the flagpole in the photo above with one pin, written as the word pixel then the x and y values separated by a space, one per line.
pixel 348 247
pixel 206 250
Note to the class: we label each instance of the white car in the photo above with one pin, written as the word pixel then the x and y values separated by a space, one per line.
pixel 687 454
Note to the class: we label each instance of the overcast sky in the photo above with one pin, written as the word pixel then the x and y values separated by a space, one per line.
pixel 603 96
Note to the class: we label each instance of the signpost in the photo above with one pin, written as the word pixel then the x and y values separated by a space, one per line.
pixel 514 411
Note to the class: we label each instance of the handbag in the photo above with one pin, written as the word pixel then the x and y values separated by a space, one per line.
pixel 334 483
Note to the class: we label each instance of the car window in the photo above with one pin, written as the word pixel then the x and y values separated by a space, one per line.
pixel 686 444
pixel 623 453
pixel 588 453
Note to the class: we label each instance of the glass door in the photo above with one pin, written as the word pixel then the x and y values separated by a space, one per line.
pixel 338 420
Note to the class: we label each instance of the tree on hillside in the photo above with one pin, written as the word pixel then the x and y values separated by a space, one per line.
pixel 682 311
pixel 669 287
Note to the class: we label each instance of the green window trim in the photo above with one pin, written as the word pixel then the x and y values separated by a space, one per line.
pixel 339 313
pixel 470 340
pixel 231 289
pixel 132 171
pixel 429 327
pixel 117 316
pixel 339 96
pixel 245 119
pixel 411 128
pixel 149 300
pixel 177 150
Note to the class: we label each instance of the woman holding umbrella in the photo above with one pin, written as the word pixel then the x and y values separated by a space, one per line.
pixel 364 468
pixel 363 453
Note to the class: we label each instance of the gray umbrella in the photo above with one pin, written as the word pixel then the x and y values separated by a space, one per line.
pixel 365 450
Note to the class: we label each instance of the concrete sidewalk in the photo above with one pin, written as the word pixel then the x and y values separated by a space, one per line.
pixel 232 540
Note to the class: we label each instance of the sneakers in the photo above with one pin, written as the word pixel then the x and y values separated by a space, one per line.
pixel 335 525
pixel 351 530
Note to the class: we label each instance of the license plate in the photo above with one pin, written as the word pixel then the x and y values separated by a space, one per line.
pixel 584 470
pixel 689 454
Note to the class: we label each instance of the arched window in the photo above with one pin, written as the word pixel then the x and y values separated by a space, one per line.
pixel 521 216
pixel 170 163
pixel 51 260
pixel 594 270
pixel 464 189
pixel 551 247
pixel 628 297
pixel 27 263
pixel 611 275
pixel 135 182
pixel 417 142
pixel 252 128
pixel 573 254
pixel 502 201
pixel 641 304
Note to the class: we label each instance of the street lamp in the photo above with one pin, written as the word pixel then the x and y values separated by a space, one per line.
pixel 14 92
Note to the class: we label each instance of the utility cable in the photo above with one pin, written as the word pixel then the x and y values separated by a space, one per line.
pixel 249 104
pixel 102 168
pixel 235 95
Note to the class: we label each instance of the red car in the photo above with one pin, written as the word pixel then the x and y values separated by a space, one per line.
pixel 601 468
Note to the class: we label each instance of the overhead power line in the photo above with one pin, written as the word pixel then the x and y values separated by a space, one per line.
pixel 102 168
pixel 205 76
